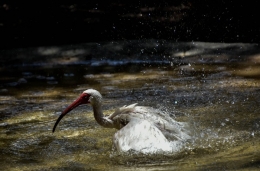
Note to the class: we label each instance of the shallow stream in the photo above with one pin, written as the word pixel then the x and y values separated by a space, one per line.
pixel 213 87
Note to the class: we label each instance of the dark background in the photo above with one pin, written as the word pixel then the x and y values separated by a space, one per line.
pixel 41 23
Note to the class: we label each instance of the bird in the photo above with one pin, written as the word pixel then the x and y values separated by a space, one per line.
pixel 141 129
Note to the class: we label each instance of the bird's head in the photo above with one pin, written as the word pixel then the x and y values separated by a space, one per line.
pixel 94 96
pixel 89 96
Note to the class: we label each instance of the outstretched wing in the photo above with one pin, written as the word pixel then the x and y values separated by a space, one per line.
pixel 171 129
pixel 122 110
pixel 121 115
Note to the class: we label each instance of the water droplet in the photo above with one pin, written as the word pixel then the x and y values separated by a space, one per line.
pixel 12 84
pixel 3 124
pixel 52 82
pixel 50 78
pixel 40 77
pixel 22 81
pixel 26 73
pixel 3 90
pixel 68 75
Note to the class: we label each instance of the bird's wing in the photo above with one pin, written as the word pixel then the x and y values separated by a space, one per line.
pixel 142 136
pixel 172 129
pixel 122 110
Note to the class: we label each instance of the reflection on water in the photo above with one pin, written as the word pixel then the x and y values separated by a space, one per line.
pixel 220 101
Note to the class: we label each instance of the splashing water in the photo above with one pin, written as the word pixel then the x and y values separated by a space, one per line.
pixel 218 101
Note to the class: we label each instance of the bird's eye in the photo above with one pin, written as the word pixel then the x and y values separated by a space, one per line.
pixel 84 96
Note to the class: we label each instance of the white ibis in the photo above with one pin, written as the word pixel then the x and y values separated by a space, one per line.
pixel 141 129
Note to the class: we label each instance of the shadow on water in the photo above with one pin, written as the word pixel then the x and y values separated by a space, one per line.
pixel 212 86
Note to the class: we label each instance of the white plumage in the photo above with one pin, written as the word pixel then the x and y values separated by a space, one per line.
pixel 142 129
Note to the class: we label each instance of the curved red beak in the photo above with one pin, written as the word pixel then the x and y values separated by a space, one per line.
pixel 83 99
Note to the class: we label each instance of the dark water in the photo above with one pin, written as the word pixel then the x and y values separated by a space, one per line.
pixel 213 87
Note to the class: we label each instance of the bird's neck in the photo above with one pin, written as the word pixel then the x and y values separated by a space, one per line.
pixel 99 117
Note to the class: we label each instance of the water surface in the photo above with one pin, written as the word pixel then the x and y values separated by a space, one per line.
pixel 213 87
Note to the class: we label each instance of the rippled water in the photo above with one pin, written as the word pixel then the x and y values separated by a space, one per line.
pixel 219 100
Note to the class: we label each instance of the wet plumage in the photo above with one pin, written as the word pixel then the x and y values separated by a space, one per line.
pixel 142 129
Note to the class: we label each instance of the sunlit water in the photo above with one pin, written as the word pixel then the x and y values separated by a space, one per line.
pixel 220 101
